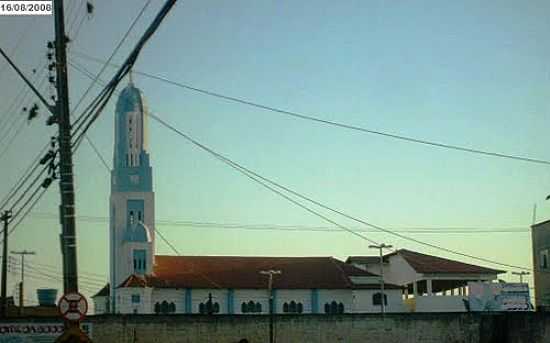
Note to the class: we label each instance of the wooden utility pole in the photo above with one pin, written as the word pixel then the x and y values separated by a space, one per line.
pixel 6 216
pixel 66 182
pixel 21 285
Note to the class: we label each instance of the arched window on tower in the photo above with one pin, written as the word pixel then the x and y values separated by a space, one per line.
pixel 140 256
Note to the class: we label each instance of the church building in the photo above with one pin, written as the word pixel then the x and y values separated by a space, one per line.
pixel 141 282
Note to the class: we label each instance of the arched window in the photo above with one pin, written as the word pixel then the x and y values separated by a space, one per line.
pixel 377 299
pixel 244 307
pixel 292 307
pixel 251 306
pixel 164 307
pixel 204 308
pixel 157 308
pixel 258 308
pixel 172 308
pixel 333 307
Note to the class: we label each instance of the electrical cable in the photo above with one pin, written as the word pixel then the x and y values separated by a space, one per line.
pixel 255 176
pixel 337 124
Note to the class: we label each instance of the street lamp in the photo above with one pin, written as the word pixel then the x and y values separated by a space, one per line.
pixel 381 247
pixel 521 274
pixel 270 274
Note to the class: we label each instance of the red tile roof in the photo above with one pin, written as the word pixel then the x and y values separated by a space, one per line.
pixel 244 272
pixel 429 264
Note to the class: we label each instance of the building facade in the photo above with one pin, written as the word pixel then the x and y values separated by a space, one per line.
pixel 540 238
pixel 430 283
pixel 235 285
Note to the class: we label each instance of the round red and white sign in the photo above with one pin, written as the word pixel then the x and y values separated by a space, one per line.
pixel 73 306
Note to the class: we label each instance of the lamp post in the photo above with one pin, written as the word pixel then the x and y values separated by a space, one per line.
pixel 21 285
pixel 521 274
pixel 270 274
pixel 381 247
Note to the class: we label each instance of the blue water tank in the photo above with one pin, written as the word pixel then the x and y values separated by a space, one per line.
pixel 47 296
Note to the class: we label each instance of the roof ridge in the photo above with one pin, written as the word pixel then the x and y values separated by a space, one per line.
pixel 343 273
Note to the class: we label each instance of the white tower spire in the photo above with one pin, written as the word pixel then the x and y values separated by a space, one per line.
pixel 132 230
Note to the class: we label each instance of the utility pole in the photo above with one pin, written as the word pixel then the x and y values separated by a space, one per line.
pixel 6 216
pixel 270 274
pixel 520 274
pixel 383 296
pixel 66 183
pixel 21 285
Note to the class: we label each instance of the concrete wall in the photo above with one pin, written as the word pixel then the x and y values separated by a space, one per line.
pixel 364 328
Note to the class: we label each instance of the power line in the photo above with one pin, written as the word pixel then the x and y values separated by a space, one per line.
pixel 330 122
pixel 25 214
pixel 20 39
pixel 215 284
pixel 17 131
pixel 105 65
pixel 24 177
pixel 18 102
pixel 306 228
pixel 93 111
pixel 257 177
pixel 54 269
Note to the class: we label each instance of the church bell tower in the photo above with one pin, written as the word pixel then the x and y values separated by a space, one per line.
pixel 132 202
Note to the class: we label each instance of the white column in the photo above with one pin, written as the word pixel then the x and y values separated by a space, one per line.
pixel 429 286
pixel 415 289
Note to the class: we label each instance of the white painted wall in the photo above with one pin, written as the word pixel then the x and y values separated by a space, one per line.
pixel 125 304
pixel 397 271
pixel 362 301
pixel 440 304
pixel 355 301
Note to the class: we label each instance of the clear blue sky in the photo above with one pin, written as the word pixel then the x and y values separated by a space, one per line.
pixel 469 73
